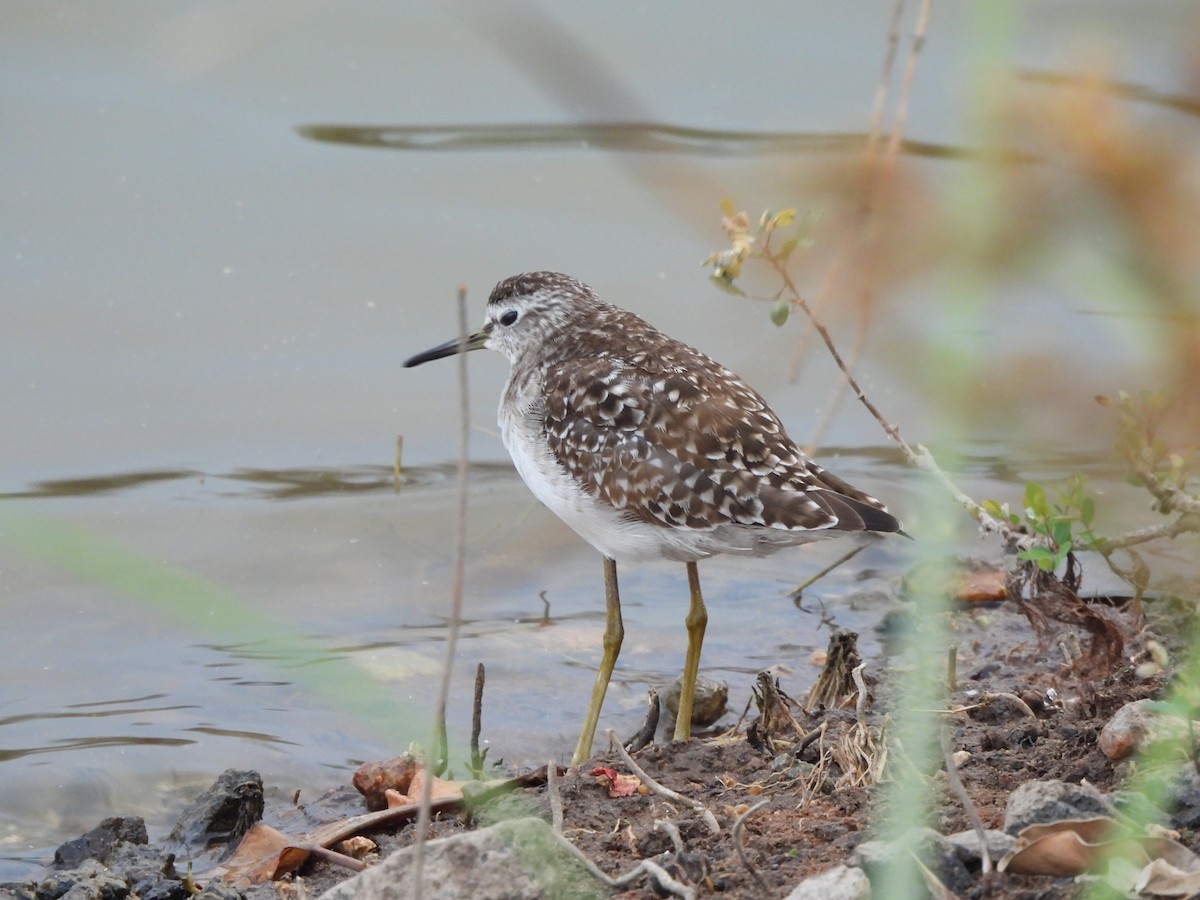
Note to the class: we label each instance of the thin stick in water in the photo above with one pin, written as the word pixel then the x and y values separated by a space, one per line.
pixel 456 591
pixel 477 723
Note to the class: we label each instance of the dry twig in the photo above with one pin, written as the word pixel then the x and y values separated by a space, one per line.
pixel 672 831
pixel 477 758
pixel 741 850
pixel 858 256
pixel 645 734
pixel 860 703
pixel 665 882
pixel 645 866
pixel 666 793
pixel 799 589
pixel 968 807
pixel 556 805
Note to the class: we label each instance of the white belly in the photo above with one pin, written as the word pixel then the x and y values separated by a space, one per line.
pixel 596 522
pixel 617 536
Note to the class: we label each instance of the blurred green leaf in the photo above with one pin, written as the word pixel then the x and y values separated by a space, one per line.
pixel 727 286
pixel 1060 531
pixel 1040 555
pixel 780 311
pixel 1035 500
pixel 1087 511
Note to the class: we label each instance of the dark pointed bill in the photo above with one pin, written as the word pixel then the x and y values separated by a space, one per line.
pixel 474 342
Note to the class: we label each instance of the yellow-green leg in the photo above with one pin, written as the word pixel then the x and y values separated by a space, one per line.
pixel 696 622
pixel 614 633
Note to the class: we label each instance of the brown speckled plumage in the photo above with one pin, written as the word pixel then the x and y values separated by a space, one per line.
pixel 656 429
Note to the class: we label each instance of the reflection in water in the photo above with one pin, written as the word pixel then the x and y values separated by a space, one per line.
pixel 122 701
pixel 98 484
pixel 271 484
pixel 638 137
pixel 92 743
pixel 31 717
pixel 256 736
pixel 90 712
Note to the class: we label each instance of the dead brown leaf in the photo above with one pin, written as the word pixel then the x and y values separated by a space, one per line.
pixel 1065 848
pixel 263 854
pixel 1162 879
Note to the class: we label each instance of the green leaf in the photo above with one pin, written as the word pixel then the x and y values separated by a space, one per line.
pixel 1035 500
pixel 1045 560
pixel 1037 525
pixel 1060 531
pixel 1087 510
pixel 727 286
pixel 786 248
pixel 779 312
pixel 993 508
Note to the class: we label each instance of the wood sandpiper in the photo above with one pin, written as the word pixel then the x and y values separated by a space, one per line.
pixel 647 448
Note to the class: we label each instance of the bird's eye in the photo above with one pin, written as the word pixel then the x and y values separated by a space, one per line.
pixel 508 317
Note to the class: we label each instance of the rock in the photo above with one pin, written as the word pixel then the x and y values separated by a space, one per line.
pixel 163 890
pixel 374 779
pixel 966 845
pixel 98 842
pixel 1185 800
pixel 223 813
pixel 789 767
pixel 938 854
pixel 985 671
pixel 959 579
pixel 1136 724
pixel 219 890
pixel 520 859
pixel 708 705
pixel 1035 802
pixel 114 851
pixel 838 883
pixel 90 881
pixel 143 867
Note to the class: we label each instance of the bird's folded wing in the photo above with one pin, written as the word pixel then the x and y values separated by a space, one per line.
pixel 659 445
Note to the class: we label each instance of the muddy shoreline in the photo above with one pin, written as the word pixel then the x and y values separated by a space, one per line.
pixel 1019 717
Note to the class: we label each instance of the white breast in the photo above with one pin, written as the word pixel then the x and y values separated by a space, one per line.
pixel 603 526
pixel 598 523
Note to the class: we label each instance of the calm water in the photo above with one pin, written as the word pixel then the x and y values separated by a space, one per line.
pixel 209 287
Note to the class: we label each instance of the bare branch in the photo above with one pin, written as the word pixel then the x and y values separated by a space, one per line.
pixel 664 792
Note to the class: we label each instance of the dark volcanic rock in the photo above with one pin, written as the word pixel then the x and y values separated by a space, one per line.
pixel 99 842
pixel 90 881
pixel 142 867
pixel 223 813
